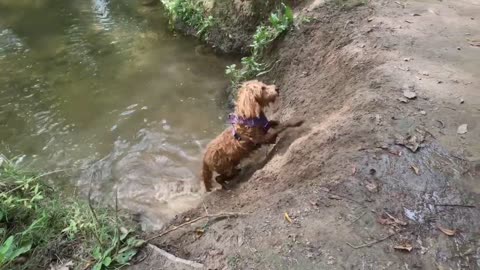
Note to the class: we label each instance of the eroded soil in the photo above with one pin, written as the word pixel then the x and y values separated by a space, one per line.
pixel 373 175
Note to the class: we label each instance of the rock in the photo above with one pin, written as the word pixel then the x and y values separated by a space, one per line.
pixel 372 187
pixel 425 73
pixel 462 129
pixel 409 94
pixel 462 101
pixel 403 100
pixel 423 112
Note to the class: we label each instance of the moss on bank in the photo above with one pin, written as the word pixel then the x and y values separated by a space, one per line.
pixel 39 227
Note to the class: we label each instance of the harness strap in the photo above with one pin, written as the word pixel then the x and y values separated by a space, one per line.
pixel 261 121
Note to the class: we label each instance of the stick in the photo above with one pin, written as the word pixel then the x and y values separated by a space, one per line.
pixel 175 259
pixel 371 243
pixel 456 205
pixel 215 216
pixel 356 219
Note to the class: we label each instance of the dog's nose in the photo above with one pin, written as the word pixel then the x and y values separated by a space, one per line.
pixel 277 90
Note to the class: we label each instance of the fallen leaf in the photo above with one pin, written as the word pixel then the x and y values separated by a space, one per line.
pixel 199 232
pixel 474 43
pixel 409 94
pixel 385 221
pixel 396 220
pixel 416 170
pixel 354 170
pixel 462 129
pixel 406 247
pixel 334 197
pixel 287 217
pixel 447 231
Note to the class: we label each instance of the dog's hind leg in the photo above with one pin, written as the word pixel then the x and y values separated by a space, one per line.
pixel 207 177
pixel 226 175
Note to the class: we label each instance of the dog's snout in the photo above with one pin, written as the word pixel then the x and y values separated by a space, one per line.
pixel 277 90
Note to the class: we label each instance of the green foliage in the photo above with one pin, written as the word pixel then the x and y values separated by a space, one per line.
pixel 190 12
pixel 33 219
pixel 253 66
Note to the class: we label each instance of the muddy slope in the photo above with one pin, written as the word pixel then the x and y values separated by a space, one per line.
pixel 373 176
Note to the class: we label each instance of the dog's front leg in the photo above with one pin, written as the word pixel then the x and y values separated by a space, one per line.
pixel 273 123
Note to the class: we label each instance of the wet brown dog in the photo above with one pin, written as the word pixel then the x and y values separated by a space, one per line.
pixel 250 129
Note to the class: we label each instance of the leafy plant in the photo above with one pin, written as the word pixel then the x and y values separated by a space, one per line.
pixel 253 65
pixel 190 12
pixel 33 218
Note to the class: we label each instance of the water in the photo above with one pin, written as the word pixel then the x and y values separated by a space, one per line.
pixel 103 90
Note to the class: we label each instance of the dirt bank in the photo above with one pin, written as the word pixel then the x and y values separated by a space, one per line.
pixel 379 167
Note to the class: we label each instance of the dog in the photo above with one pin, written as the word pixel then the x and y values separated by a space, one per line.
pixel 250 130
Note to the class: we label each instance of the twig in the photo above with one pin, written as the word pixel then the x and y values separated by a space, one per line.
pixel 356 219
pixel 456 205
pixel 214 216
pixel 97 223
pixel 117 223
pixel 52 172
pixel 371 243
pixel 205 208
pixel 174 258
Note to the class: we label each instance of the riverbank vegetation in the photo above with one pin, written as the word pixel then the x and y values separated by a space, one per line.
pixel 189 12
pixel 254 65
pixel 38 227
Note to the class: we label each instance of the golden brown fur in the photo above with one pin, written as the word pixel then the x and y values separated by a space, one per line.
pixel 225 152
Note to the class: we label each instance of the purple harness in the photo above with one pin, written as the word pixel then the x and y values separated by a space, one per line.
pixel 261 121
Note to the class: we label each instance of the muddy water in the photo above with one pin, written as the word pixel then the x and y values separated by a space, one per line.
pixel 103 90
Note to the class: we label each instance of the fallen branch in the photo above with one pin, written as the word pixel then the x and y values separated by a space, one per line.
pixel 456 205
pixel 371 243
pixel 174 258
pixel 213 216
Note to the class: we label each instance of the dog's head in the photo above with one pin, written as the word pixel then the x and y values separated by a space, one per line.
pixel 253 96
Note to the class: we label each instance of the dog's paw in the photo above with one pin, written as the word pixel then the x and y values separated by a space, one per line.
pixel 272 139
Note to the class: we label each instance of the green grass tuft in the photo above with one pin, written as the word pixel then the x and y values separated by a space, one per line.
pixel 190 12
pixel 37 226
pixel 253 65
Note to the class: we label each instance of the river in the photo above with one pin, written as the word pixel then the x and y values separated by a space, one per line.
pixel 104 93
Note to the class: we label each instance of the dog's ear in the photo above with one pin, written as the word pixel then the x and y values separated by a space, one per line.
pixel 247 104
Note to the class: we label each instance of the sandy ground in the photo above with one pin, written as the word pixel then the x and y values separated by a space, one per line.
pixel 379 177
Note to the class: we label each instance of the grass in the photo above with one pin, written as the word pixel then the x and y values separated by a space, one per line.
pixel 38 227
pixel 190 12
pixel 253 66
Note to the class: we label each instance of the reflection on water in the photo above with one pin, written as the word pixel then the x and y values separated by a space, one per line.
pixel 104 86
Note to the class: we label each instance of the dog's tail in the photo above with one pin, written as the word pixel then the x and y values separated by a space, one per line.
pixel 207 176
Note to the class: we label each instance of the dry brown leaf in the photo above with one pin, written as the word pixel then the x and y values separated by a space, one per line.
pixel 199 232
pixel 416 169
pixel 334 197
pixel 287 217
pixel 396 220
pixel 448 232
pixel 385 221
pixel 406 247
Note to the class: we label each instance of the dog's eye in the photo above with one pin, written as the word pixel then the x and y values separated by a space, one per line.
pixel 264 88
